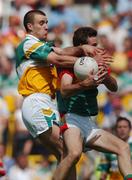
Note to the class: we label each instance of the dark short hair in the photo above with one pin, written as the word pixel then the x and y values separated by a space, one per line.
pixel 82 34
pixel 120 118
pixel 29 17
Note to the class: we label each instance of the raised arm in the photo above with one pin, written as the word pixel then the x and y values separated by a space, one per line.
pixel 83 50
pixel 70 51
pixel 66 57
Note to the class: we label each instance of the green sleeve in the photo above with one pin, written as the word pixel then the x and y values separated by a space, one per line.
pixel 42 52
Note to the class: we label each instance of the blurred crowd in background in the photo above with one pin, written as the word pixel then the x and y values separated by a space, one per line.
pixel 113 20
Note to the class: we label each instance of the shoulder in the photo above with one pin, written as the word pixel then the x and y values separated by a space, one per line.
pixel 62 71
pixel 31 43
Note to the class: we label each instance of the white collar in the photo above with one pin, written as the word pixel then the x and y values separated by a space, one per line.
pixel 31 36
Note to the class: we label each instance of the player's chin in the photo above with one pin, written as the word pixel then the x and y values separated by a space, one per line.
pixel 45 36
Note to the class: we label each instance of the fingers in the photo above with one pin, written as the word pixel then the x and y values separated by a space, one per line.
pixel 103 55
pixel 88 82
pixel 94 80
pixel 107 60
pixel 103 67
pixel 101 70
pixel 100 51
pixel 101 76
pixel 90 50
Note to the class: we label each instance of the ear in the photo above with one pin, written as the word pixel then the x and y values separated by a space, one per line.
pixel 30 26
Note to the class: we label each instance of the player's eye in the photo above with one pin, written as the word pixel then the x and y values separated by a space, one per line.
pixel 43 22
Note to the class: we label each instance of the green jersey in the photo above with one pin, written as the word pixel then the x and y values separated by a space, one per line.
pixel 83 102
pixel 35 74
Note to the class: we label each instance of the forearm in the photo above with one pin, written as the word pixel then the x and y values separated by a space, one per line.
pixel 70 51
pixel 110 83
pixel 70 89
pixel 66 61
pixel 61 60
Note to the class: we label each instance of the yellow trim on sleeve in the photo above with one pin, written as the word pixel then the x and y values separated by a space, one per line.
pixel 33 48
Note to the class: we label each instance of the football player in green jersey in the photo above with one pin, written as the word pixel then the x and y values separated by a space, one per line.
pixel 80 102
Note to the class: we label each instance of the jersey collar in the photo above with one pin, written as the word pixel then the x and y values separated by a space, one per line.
pixel 31 36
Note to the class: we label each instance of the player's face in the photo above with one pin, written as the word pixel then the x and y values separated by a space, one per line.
pixel 39 27
pixel 92 41
pixel 123 130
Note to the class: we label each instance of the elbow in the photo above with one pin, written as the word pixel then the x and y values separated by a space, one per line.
pixel 111 85
pixel 114 88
